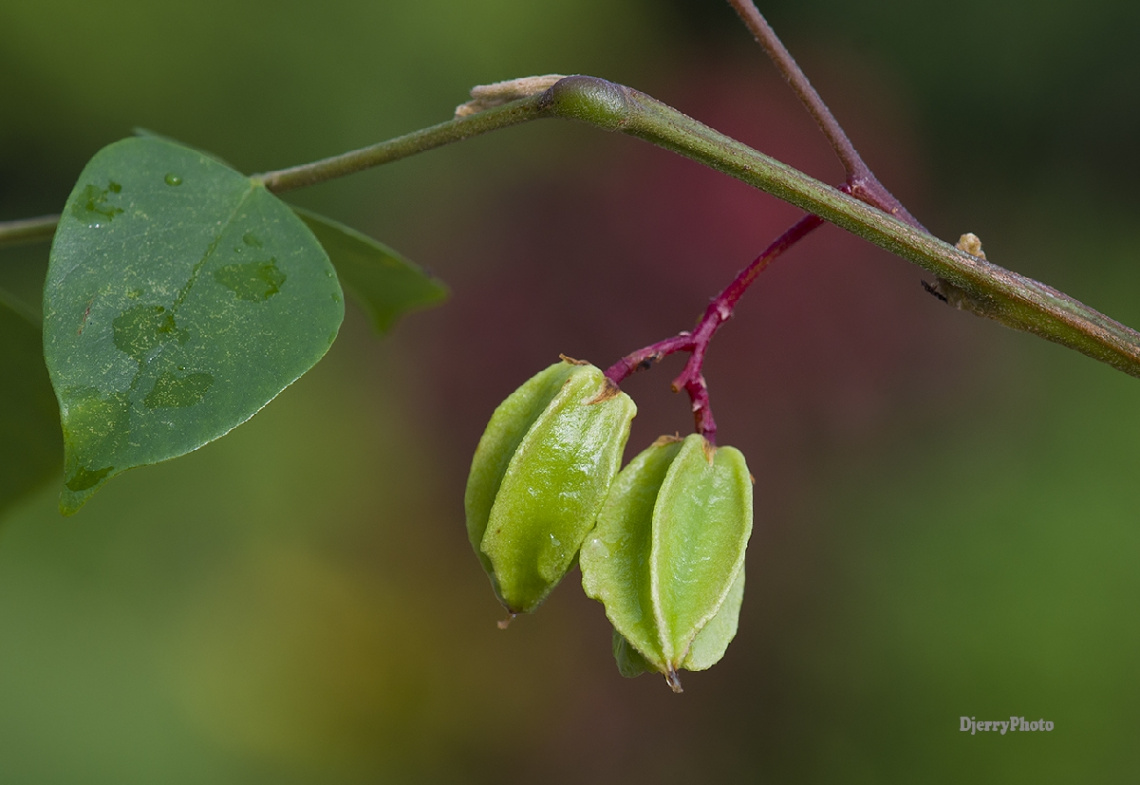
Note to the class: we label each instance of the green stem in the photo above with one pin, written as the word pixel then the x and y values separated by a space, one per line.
pixel 973 284
pixel 456 130
pixel 444 133
pixel 28 230
pixel 969 282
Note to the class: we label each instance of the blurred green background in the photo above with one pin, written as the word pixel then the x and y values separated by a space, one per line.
pixel 947 512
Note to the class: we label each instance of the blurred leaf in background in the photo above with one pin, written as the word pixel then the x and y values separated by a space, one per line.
pixel 946 511
pixel 383 283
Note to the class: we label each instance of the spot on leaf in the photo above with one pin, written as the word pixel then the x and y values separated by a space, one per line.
pixel 172 390
pixel 92 419
pixel 139 330
pixel 253 282
pixel 84 478
pixel 91 206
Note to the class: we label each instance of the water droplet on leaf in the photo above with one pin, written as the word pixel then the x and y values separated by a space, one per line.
pixel 172 179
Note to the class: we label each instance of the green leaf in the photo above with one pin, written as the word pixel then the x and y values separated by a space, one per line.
pixel 181 297
pixel 386 284
pixel 146 133
pixel 29 417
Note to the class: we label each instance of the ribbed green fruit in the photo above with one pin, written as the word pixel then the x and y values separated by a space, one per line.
pixel 666 557
pixel 540 475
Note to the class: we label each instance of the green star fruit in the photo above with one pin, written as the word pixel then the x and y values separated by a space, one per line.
pixel 539 476
pixel 666 557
